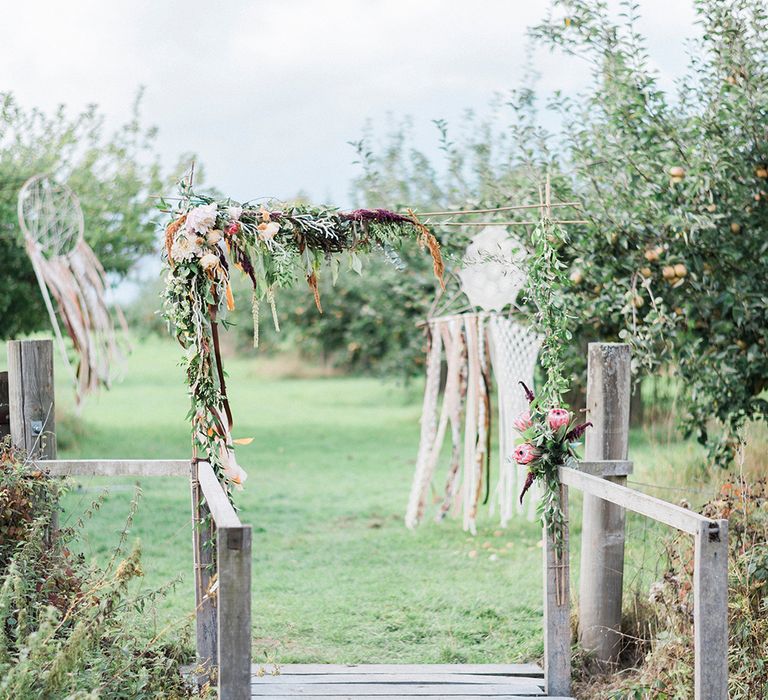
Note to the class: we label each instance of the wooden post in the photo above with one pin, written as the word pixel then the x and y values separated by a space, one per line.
pixel 234 623
pixel 557 611
pixel 5 424
pixel 602 539
pixel 203 543
pixel 710 612
pixel 30 397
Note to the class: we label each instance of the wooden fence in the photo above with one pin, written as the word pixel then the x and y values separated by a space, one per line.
pixel 602 481
pixel 222 544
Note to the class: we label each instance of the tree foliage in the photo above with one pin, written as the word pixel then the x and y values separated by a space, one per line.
pixel 674 259
pixel 113 175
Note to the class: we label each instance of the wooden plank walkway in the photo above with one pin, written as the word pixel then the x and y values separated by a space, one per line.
pixel 381 681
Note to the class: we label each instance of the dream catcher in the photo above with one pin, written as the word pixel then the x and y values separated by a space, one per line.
pixel 476 348
pixel 70 274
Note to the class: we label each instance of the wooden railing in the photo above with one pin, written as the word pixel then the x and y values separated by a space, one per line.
pixel 606 498
pixel 221 543
pixel 710 585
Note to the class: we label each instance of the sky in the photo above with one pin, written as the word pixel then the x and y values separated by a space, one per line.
pixel 268 93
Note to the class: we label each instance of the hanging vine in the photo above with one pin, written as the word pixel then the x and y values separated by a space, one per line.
pixel 549 432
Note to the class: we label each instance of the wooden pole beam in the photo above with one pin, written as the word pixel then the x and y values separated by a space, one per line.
pixel 30 397
pixel 602 544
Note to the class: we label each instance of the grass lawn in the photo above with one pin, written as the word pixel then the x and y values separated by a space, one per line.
pixel 337 577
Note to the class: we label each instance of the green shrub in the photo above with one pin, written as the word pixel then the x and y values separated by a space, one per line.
pixel 65 629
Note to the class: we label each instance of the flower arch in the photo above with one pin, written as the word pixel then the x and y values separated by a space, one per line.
pixel 275 245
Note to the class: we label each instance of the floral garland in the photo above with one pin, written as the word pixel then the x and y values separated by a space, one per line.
pixel 275 246
pixel 549 432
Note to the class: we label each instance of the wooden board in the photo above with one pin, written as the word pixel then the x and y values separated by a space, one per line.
pixel 117 467
pixel 531 670
pixel 378 681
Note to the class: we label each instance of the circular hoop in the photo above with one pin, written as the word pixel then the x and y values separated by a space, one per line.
pixel 50 215
pixel 493 271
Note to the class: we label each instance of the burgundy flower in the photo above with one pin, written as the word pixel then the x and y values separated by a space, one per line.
pixel 528 393
pixel 527 485
pixel 577 432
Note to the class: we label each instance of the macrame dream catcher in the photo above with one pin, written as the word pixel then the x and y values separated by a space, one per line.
pixel 475 346
pixel 70 274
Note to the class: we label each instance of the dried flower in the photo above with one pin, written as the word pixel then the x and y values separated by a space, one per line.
pixel 267 231
pixel 525 453
pixel 577 432
pixel 528 483
pixel 214 236
pixel 522 422
pixel 528 393
pixel 209 261
pixel 558 417
pixel 201 218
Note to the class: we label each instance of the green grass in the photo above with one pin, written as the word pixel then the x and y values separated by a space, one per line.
pixel 336 576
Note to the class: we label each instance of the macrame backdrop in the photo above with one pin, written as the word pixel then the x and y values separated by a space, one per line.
pixel 514 348
pixel 475 345
pixel 69 271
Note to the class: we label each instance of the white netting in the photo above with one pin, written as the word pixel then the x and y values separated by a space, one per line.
pixel 514 349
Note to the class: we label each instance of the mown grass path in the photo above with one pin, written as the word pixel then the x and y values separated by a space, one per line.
pixel 337 577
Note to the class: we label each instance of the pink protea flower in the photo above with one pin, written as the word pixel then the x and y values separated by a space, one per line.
pixel 525 453
pixel 558 417
pixel 522 422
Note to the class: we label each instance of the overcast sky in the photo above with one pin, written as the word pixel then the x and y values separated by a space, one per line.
pixel 269 92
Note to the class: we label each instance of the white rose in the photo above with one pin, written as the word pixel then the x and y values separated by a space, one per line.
pixel 234 213
pixel 209 261
pixel 185 247
pixel 201 218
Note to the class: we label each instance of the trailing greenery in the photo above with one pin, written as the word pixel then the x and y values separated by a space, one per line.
pixel 64 624
pixel 112 175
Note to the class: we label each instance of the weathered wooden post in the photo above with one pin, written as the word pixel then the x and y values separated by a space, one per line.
pixel 30 397
pixel 203 544
pixel 602 539
pixel 557 610
pixel 710 611
pixel 234 615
